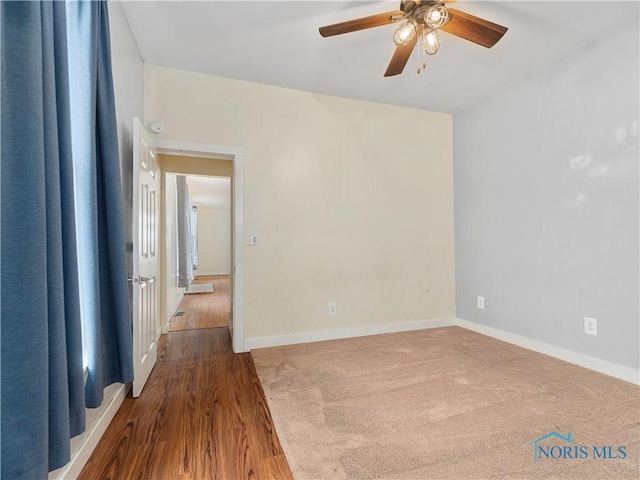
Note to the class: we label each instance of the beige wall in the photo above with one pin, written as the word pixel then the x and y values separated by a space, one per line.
pixel 195 165
pixel 214 241
pixel 352 201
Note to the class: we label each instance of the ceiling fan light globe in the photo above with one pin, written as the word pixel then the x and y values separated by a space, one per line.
pixel 430 41
pixel 405 32
pixel 436 16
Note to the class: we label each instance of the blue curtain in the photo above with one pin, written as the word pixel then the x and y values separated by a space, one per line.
pixel 98 197
pixel 42 379
pixel 63 272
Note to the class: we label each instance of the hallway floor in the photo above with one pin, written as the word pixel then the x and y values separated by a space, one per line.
pixel 202 415
pixel 205 310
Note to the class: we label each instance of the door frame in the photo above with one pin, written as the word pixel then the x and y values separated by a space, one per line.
pixel 235 155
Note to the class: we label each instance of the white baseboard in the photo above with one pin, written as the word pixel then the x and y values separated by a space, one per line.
pixel 81 456
pixel 338 333
pixel 207 274
pixel 172 311
pixel 627 374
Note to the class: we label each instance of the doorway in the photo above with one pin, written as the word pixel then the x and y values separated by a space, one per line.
pixel 203 159
pixel 206 301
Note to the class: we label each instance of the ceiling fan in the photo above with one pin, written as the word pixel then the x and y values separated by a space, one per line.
pixel 422 20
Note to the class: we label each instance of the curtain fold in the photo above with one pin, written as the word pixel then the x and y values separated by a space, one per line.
pixel 42 382
pixel 185 254
pixel 62 249
pixel 98 196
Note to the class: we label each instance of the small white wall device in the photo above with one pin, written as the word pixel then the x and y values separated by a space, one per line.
pixel 156 128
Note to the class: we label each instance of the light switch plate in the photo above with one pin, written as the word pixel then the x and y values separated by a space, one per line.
pixel 252 240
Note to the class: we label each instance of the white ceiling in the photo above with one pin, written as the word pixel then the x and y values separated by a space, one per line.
pixel 213 192
pixel 277 43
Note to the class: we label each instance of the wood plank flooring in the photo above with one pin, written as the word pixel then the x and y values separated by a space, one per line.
pixel 205 310
pixel 202 415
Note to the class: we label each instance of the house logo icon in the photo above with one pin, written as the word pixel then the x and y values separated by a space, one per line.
pixel 566 440
pixel 555 446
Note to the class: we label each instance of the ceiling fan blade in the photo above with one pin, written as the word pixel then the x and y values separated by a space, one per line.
pixel 474 29
pixel 401 55
pixel 360 23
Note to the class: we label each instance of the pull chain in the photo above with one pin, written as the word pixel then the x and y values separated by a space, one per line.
pixel 422 56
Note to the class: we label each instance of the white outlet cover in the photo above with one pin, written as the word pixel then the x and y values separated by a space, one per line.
pixel 591 326
pixel 481 302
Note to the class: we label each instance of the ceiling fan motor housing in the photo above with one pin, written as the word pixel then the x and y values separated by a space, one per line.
pixel 424 13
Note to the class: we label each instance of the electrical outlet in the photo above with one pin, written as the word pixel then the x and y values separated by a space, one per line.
pixel 590 326
pixel 252 240
pixel 481 302
pixel 332 308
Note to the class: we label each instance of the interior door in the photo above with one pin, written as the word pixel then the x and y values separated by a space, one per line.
pixel 146 290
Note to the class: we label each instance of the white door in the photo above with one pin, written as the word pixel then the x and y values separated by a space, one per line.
pixel 146 290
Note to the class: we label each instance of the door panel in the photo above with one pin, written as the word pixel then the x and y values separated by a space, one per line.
pixel 145 259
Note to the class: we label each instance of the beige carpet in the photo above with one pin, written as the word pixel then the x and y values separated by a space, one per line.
pixel 443 403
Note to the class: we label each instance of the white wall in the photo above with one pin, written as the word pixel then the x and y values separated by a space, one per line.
pixel 128 80
pixel 214 241
pixel 547 205
pixel 351 200
pixel 173 293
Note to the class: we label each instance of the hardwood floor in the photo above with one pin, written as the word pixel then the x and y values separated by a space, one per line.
pixel 202 415
pixel 205 310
